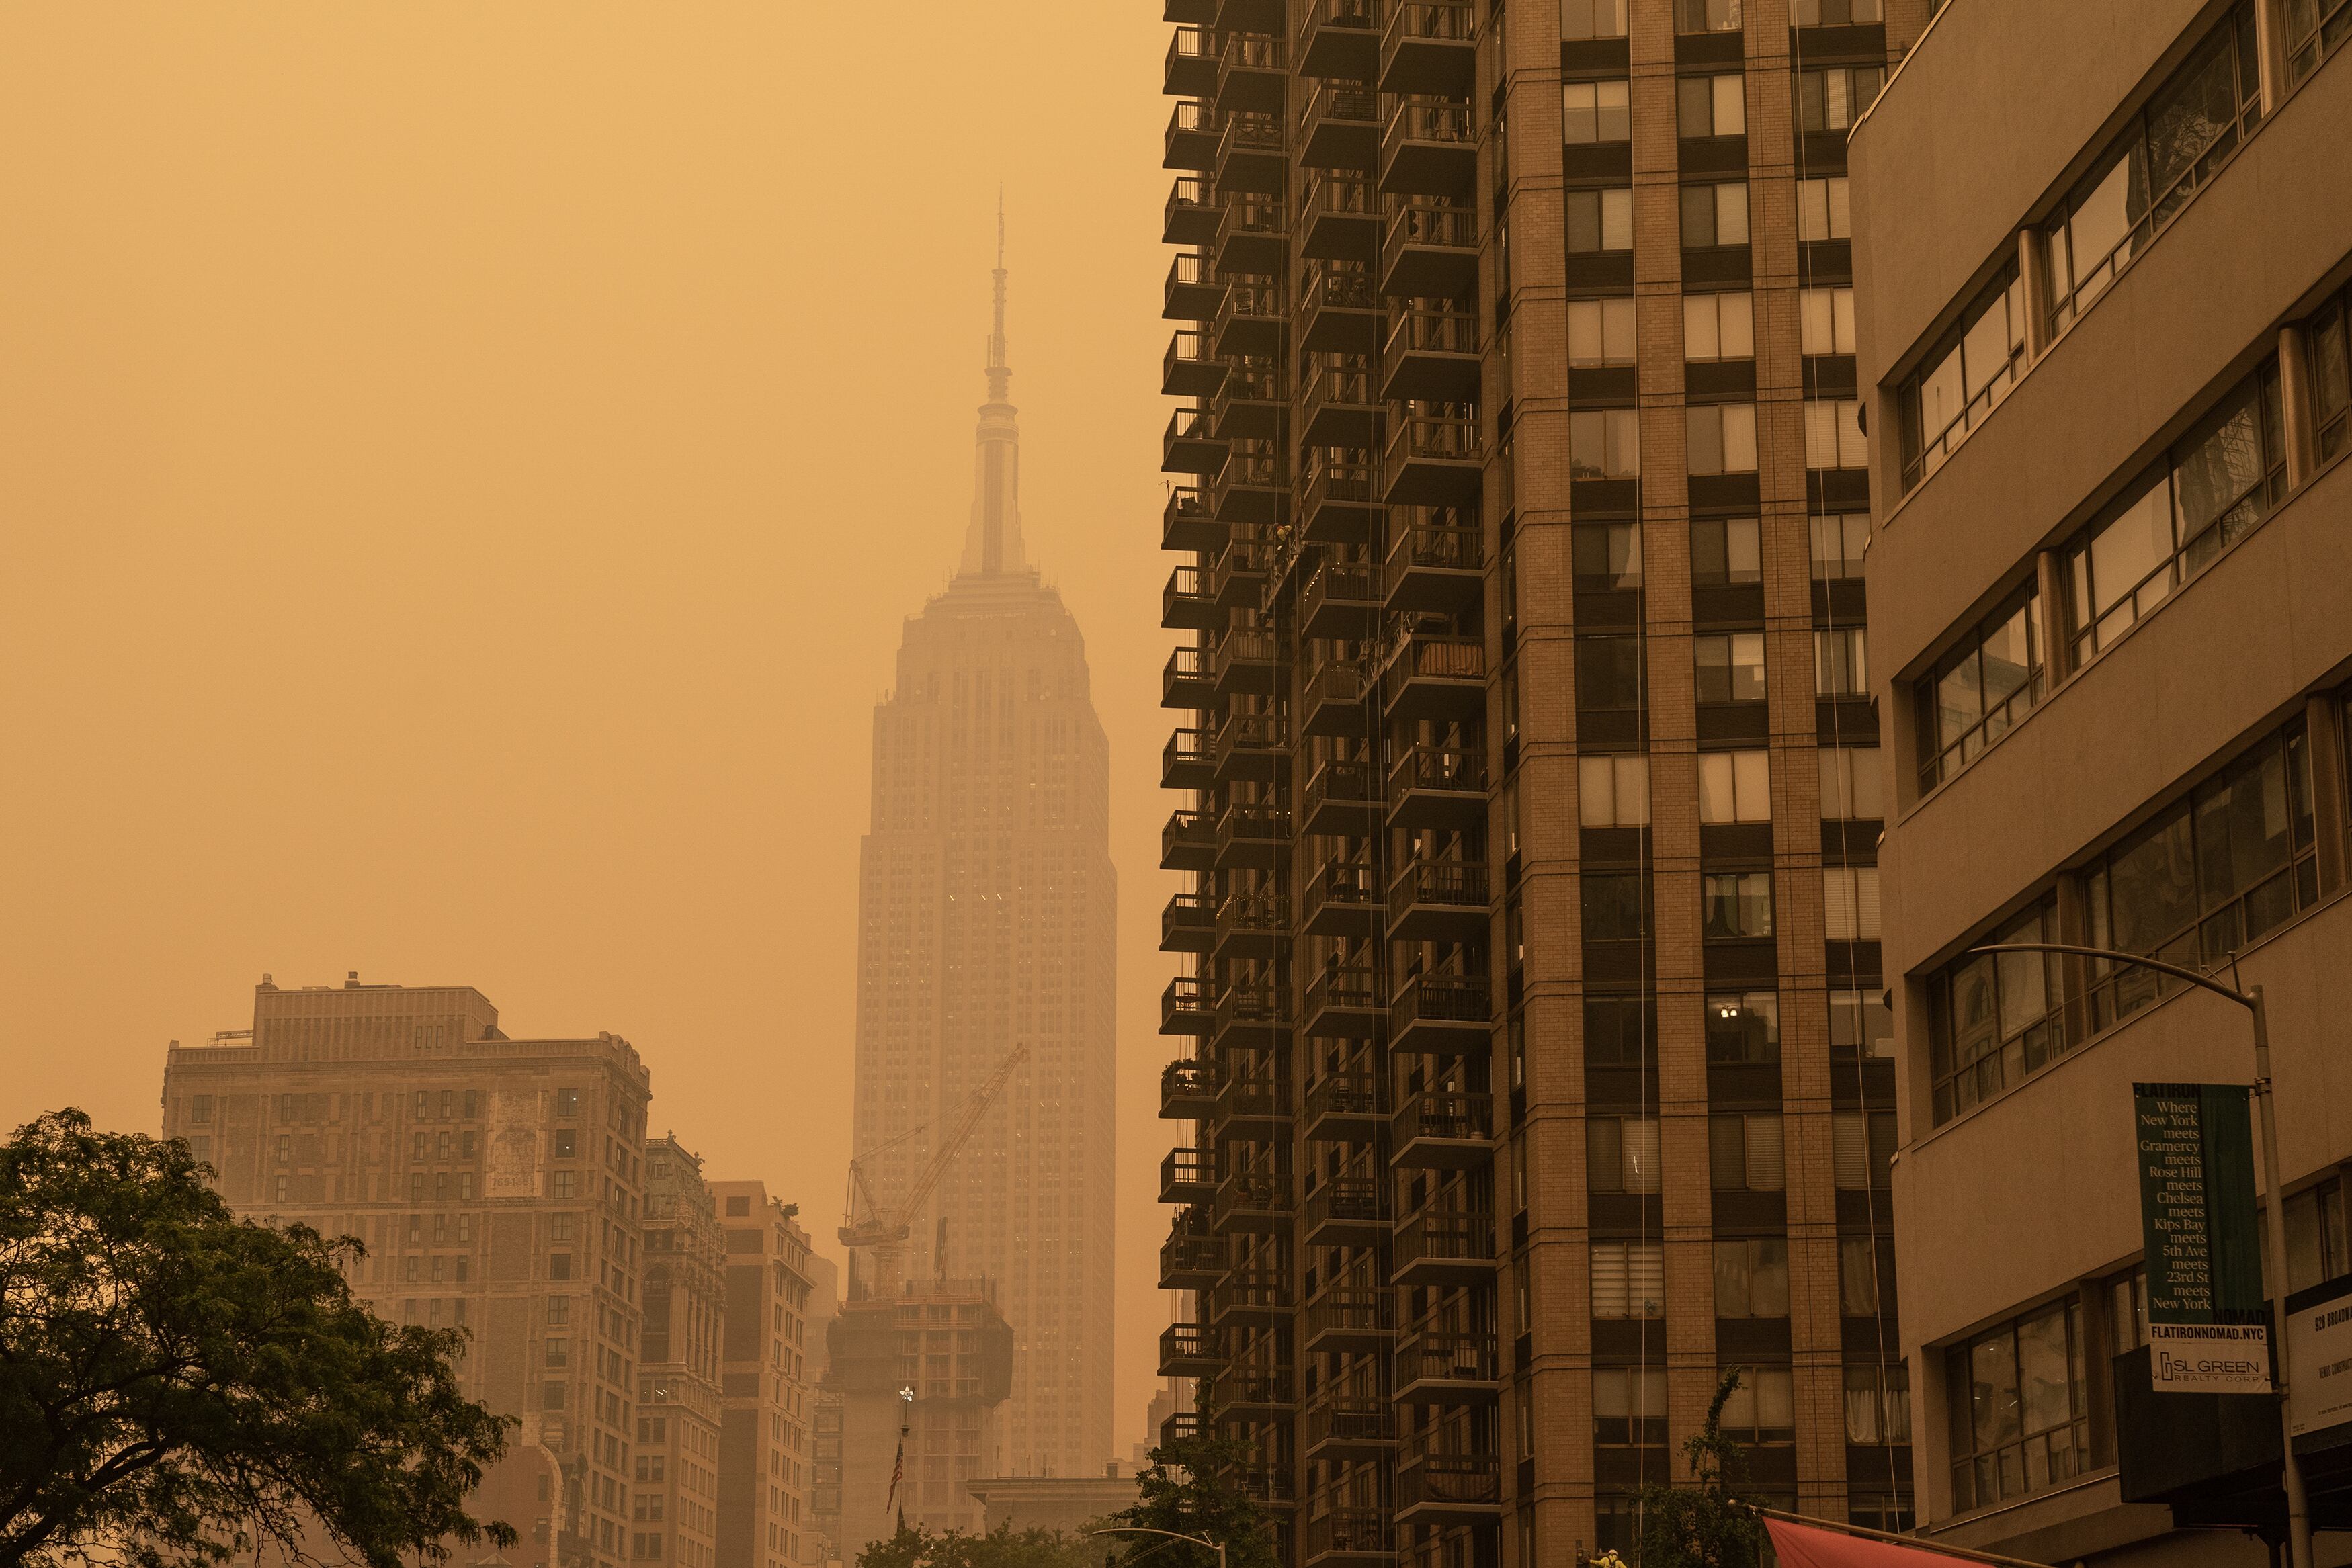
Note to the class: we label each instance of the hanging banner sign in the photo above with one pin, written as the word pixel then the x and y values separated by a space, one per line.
pixel 2208 1327
pixel 2319 1352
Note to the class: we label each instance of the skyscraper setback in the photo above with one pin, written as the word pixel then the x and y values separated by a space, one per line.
pixel 987 919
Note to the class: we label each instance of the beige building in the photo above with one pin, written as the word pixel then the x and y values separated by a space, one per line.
pixel 675 1517
pixel 2103 255
pixel 767 1391
pixel 1539 1071
pixel 1066 1504
pixel 498 1184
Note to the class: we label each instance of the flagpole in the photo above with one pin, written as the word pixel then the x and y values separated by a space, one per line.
pixel 1916 1543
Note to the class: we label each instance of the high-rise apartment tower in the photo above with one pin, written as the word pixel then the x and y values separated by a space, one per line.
pixel 1540 1075
pixel 986 920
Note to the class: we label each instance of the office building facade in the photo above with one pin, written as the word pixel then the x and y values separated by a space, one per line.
pixel 767 1391
pixel 1538 1073
pixel 675 1515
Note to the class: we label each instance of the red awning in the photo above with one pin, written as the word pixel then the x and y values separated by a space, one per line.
pixel 1806 1546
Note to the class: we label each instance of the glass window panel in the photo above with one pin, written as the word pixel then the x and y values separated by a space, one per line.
pixel 1716 800
pixel 1731 215
pixel 1992 1391
pixel 1768 1286
pixel 2152 885
pixel 2223 461
pixel 1694 108
pixel 1617 219
pixel 1764 1170
pixel 1702 336
pixel 1736 316
pixel 1730 105
pixel 2045 1390
pixel 1739 436
pixel 1753 785
pixel 1731 1280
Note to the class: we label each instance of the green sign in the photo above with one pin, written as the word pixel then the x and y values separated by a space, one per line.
pixel 2196 1203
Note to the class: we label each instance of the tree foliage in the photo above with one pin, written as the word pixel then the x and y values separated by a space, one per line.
pixel 918 1547
pixel 1709 1521
pixel 178 1386
pixel 1187 1489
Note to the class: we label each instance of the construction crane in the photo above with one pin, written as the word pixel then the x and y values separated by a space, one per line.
pixel 884 1232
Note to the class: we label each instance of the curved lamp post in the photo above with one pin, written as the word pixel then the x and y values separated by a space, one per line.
pixel 2298 1505
pixel 1171 1534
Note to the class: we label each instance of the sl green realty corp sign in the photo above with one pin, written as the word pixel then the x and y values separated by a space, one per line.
pixel 2207 1323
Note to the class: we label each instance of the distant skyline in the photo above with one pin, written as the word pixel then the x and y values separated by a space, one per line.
pixel 467 471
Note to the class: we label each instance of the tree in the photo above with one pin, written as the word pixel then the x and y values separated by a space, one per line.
pixel 917 1547
pixel 1185 1490
pixel 1710 1521
pixel 178 1386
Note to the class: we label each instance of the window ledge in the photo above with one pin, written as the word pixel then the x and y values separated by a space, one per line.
pixel 2099 1476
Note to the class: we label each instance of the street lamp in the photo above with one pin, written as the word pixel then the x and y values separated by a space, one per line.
pixel 1173 1535
pixel 2298 1505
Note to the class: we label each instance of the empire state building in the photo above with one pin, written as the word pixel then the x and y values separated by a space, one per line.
pixel 986 920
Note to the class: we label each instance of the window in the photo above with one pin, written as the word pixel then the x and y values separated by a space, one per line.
pixel 1744 1153
pixel 1607 556
pixel 1851 786
pixel 1600 220
pixel 1825 320
pixel 1629 1407
pixel 1964 378
pixel 1993 1019
pixel 1861 1021
pixel 1735 904
pixel 564 1185
pixel 558 1310
pixel 1604 443
pixel 1841 662
pixel 1878 1405
pixel 1613 791
pixel 1862 1149
pixel 2313 29
pixel 558 1351
pixel 1620 1030
pixel 559 1227
pixel 1763 1410
pixel 1601 331
pixel 2217 871
pixel 1592 18
pixel 1866 1275
pixel 1616 906
pixel 1594 112
pixel 1721 438
pixel 1735 787
pixel 2214 486
pixel 567 1143
pixel 2166 155
pixel 2315 1237
pixel 200 1109
pixel 1729 666
pixel 1836 12
pixel 1629 1280
pixel 1743 1028
pixel 1725 550
pixel 1824 209
pixel 2019 1408
pixel 1622 1154
pixel 1719 326
pixel 1714 214
pixel 2331 368
pixel 1833 436
pixel 1751 1276
pixel 1608 673
pixel 559 1265
pixel 1711 106
pixel 1849 903
pixel 567 1101
pixel 1833 100
pixel 1978 690
pixel 1706 16
pixel 552 1396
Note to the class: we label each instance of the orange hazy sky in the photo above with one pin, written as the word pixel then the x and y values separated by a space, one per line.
pixel 463 468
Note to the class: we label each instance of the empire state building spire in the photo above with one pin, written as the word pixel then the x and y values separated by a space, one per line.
pixel 992 545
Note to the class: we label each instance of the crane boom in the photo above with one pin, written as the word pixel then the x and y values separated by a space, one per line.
pixel 884 1232
pixel 966 1120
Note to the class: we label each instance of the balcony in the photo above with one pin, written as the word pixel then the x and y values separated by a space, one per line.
pixel 1430 252
pixel 1188 444
pixel 1184 762
pixel 1345 1211
pixel 1237 580
pixel 1180 1426
pixel 1339 798
pixel 1431 355
pixel 1252 1017
pixel 1252 835
pixel 1251 402
pixel 1184 1006
pixel 1188 369
pixel 1338 219
pixel 1256 1108
pixel 1340 602
pixel 1443 1129
pixel 1250 235
pixel 1185 604
pixel 1332 700
pixel 1342 899
pixel 1439 901
pixel 1349 1538
pixel 1443 1247
pixel 1188 1089
pixel 1188 841
pixel 1189 13
pixel 1248 746
pixel 1436 1367
pixel 1251 925
pixel 1186 523
pixel 1250 17
pixel 1342 40
pixel 1449 1489
pixel 1256 1201
pixel 1344 1108
pixel 1253 490
pixel 1188 1176
pixel 1434 677
pixel 1442 1015
pixel 1188 1350
pixel 1438 787
pixel 1339 498
pixel 1250 75
pixel 1338 407
pixel 1251 1298
pixel 1185 679
pixel 1250 321
pixel 1430 148
pixel 1348 1316
pixel 1190 142
pixel 1254 1393
pixel 1434 459
pixel 1193 290
pixel 1188 924
pixel 1436 567
pixel 1339 313
pixel 1247 662
pixel 1341 127
pixel 1188 218
pixel 1342 1004
pixel 1430 46
pixel 1250 154
pixel 1190 69
pixel 1191 1258
pixel 1349 1426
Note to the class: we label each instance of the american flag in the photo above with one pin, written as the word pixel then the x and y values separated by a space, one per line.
pixel 898 1473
